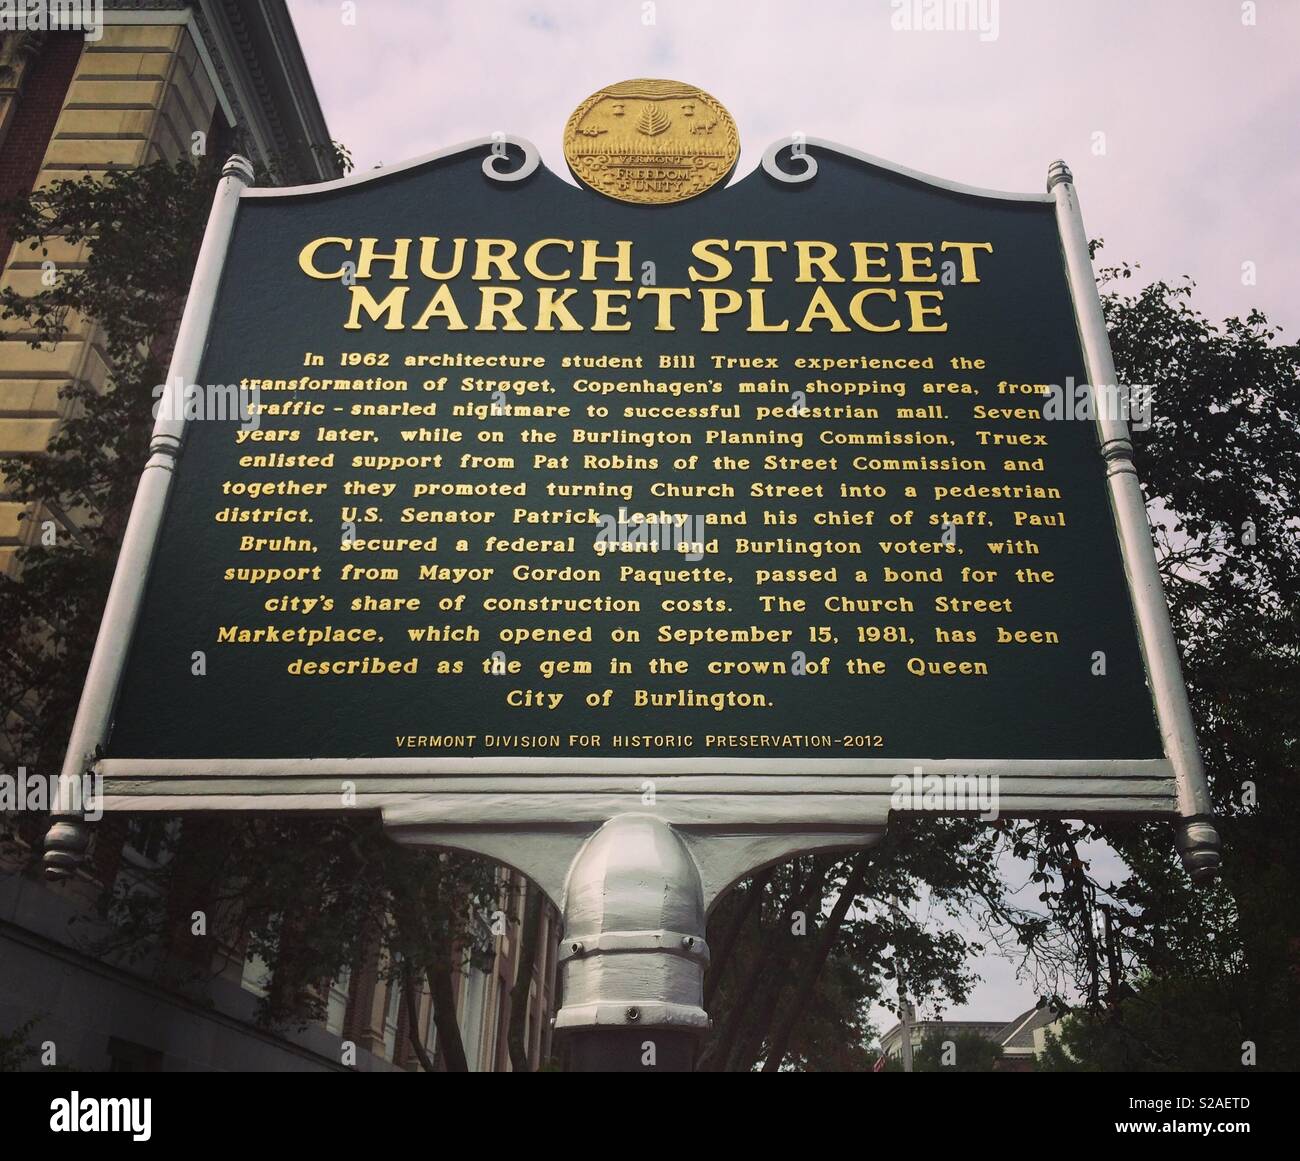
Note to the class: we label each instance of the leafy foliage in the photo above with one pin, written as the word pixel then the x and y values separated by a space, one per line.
pixel 145 227
pixel 15 1051
pixel 1175 1024
pixel 1176 977
pixel 308 895
pixel 951 1051
pixel 897 936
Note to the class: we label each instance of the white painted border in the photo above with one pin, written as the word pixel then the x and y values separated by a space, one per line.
pixel 809 171
pixel 532 161
pixel 513 764
pixel 768 165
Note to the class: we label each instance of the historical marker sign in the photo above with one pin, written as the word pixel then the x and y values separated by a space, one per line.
pixel 795 477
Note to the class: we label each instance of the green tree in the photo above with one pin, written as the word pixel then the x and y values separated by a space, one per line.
pixel 16 1053
pixel 308 895
pixel 962 1051
pixel 794 994
pixel 1169 976
pixel 1170 1024
pixel 1174 977
pixel 146 226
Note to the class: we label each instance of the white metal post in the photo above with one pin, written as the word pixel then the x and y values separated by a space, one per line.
pixel 66 841
pixel 633 953
pixel 1198 840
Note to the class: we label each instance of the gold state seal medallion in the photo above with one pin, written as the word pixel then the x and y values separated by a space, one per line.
pixel 651 142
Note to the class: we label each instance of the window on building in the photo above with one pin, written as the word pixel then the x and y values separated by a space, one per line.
pixel 391 1014
pixel 124 1056
pixel 150 841
pixel 431 1037
pixel 475 998
pixel 500 1057
pixel 336 1006
pixel 256 977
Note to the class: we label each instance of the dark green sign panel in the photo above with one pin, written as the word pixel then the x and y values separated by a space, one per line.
pixel 777 472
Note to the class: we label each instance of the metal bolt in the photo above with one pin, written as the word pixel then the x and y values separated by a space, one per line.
pixel 633 1015
pixel 688 941
pixel 576 948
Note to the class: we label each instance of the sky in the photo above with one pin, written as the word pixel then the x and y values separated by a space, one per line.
pixel 1179 118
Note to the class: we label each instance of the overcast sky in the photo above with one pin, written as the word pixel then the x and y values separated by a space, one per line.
pixel 1180 120
pixel 1200 112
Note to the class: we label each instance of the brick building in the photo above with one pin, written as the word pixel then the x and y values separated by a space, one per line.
pixel 160 74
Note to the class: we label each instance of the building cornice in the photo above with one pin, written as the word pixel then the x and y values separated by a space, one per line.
pixel 255 62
